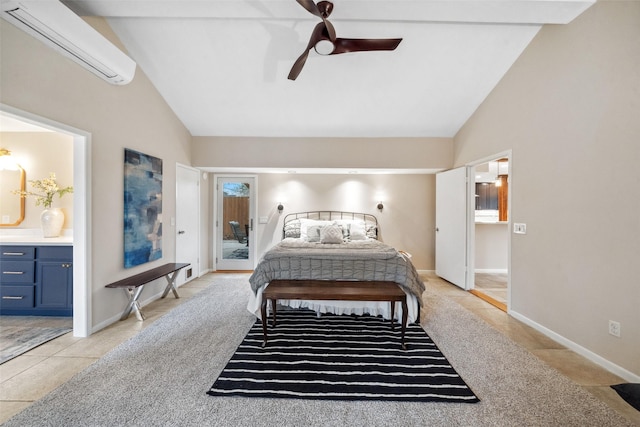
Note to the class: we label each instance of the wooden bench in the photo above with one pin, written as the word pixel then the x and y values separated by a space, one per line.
pixel 134 285
pixel 333 290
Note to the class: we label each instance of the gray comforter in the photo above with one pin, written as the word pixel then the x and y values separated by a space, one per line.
pixel 357 260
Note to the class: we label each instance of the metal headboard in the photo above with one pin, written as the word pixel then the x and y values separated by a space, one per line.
pixel 330 216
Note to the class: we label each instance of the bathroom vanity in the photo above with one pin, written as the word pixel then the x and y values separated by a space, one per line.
pixel 36 277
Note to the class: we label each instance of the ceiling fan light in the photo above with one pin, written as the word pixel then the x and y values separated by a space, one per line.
pixel 324 47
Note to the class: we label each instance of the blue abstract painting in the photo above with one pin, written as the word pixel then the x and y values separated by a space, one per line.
pixel 142 208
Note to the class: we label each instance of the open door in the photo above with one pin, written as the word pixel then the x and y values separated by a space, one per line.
pixel 451 226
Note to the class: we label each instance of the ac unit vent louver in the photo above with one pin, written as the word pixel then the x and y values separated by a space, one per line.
pixel 54 24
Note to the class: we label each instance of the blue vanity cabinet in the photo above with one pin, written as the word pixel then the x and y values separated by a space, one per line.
pixel 17 278
pixel 38 282
pixel 54 279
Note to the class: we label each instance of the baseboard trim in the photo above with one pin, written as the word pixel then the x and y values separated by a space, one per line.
pixel 116 318
pixel 492 270
pixel 595 358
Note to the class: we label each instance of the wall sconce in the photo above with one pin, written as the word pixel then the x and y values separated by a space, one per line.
pixel 380 206
pixel 280 207
pixel 6 162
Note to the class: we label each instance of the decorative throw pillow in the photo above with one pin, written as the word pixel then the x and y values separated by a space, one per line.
pixel 372 231
pixel 306 223
pixel 357 232
pixel 313 233
pixel 292 229
pixel 331 234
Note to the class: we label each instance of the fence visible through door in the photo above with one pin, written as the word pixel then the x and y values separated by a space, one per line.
pixel 234 223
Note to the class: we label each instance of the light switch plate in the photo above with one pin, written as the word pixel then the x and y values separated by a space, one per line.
pixel 520 228
pixel 263 219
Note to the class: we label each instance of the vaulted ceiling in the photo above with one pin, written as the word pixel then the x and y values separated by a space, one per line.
pixel 222 65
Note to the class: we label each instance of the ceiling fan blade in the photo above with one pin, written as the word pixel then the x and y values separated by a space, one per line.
pixel 330 30
pixel 297 66
pixel 316 36
pixel 310 6
pixel 360 45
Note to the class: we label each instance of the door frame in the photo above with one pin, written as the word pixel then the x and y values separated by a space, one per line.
pixel 253 209
pixel 195 268
pixel 471 234
pixel 82 285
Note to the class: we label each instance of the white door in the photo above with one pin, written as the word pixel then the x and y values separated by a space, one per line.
pixel 451 226
pixel 234 224
pixel 187 222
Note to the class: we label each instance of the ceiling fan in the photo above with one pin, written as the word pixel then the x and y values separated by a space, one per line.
pixel 324 41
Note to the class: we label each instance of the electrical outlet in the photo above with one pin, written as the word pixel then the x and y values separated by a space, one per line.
pixel 614 328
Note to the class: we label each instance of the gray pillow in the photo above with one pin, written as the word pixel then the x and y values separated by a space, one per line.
pixel 292 229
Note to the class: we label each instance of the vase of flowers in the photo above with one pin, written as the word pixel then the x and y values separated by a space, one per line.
pixel 44 191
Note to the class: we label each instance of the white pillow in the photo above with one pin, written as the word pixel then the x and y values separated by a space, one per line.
pixel 306 223
pixel 346 225
pixel 357 231
pixel 331 234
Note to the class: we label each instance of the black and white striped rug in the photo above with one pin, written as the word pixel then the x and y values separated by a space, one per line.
pixel 340 358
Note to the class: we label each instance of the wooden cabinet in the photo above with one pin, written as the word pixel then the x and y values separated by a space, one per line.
pixel 36 280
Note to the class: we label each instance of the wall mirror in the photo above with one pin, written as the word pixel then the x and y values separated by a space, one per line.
pixel 11 205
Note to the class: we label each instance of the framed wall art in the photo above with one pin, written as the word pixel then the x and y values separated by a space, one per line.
pixel 142 208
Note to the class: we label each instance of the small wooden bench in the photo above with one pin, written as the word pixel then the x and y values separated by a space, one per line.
pixel 134 285
pixel 333 290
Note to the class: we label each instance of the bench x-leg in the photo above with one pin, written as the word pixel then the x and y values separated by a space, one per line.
pixel 171 285
pixel 133 293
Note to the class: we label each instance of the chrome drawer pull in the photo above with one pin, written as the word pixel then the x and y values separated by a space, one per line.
pixel 13 253
pixel 13 272
pixel 10 297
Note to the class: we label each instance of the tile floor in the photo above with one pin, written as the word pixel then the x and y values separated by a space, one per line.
pixel 493 285
pixel 21 379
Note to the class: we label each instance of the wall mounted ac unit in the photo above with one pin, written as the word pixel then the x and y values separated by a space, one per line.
pixel 57 26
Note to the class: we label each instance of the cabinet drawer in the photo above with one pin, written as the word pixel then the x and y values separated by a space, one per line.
pixel 17 272
pixel 17 252
pixel 55 252
pixel 16 296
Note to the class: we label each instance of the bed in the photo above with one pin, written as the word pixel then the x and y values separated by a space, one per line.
pixel 336 246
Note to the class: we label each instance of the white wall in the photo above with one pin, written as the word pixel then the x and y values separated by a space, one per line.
pixel 569 108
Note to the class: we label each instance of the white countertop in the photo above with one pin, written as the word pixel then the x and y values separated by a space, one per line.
pixel 34 237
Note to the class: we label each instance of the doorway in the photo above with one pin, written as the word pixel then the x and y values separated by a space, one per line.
pixel 489 230
pixel 81 213
pixel 473 240
pixel 234 223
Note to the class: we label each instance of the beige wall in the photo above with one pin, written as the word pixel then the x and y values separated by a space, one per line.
pixel 570 108
pixel 375 153
pixel 491 247
pixel 36 79
pixel 39 154
pixel 406 222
